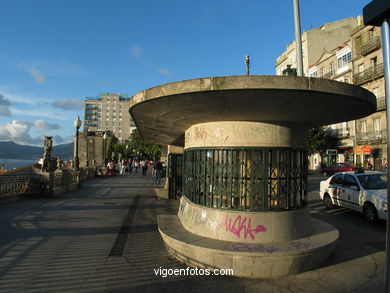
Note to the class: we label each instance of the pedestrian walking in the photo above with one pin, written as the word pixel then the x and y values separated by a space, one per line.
pixel 111 167
pixel 123 167
pixel 135 166
pixel 157 170
pixel 144 166
pixel 129 165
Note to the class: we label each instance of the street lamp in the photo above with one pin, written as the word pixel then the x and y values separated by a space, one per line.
pixel 104 149
pixel 77 125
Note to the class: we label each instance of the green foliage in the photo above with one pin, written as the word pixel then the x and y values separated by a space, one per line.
pixel 318 140
pixel 138 146
pixel 111 148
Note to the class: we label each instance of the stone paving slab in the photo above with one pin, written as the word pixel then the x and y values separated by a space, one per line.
pixel 63 244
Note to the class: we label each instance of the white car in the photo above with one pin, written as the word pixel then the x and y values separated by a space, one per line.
pixel 362 191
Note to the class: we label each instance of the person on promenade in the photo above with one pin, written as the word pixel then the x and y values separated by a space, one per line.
pixel 111 167
pixel 135 166
pixel 123 167
pixel 157 170
pixel 144 166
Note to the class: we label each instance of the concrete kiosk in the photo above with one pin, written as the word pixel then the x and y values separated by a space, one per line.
pixel 245 167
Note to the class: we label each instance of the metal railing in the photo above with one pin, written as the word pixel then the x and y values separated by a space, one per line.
pixel 369 74
pixel 370 45
pixel 260 179
pixel 338 132
pixel 374 136
pixel 21 184
pixel 175 175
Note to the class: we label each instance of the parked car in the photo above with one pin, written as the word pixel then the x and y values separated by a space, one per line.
pixel 362 191
pixel 339 168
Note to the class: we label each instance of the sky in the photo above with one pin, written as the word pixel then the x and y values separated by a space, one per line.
pixel 55 53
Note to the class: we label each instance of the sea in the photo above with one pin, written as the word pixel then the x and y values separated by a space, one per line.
pixel 11 164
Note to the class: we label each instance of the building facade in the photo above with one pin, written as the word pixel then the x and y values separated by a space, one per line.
pixel 109 112
pixel 371 134
pixel 357 60
pixel 315 42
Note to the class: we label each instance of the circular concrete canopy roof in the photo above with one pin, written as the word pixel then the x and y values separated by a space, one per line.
pixel 163 113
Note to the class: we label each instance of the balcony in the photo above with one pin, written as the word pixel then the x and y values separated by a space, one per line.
pixel 370 45
pixel 338 132
pixel 371 137
pixel 372 73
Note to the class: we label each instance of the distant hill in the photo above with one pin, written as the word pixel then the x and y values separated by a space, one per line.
pixel 11 150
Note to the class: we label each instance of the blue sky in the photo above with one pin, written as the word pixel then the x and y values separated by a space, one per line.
pixel 54 53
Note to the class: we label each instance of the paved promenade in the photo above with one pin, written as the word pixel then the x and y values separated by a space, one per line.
pixel 104 238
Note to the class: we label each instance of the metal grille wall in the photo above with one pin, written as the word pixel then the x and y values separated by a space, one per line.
pixel 175 175
pixel 247 178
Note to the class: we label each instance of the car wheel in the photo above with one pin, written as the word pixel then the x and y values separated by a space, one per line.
pixel 370 213
pixel 328 202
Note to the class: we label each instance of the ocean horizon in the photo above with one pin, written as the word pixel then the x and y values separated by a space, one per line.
pixel 11 164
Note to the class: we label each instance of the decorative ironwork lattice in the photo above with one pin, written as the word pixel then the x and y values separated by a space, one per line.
pixel 247 178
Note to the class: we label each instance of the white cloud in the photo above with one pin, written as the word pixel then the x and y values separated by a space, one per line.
pixel 69 104
pixel 164 71
pixel 36 74
pixel 18 131
pixel 44 126
pixel 4 106
pixel 136 51
pixel 39 113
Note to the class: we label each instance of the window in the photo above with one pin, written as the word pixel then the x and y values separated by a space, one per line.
pixel 344 60
pixel 375 91
pixel 361 67
pixel 322 72
pixel 363 127
pixel 377 124
pixel 337 179
pixel 346 80
pixel 313 74
pixel 331 69
pixel 374 61
pixel 349 181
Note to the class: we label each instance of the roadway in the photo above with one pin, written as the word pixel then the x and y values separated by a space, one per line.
pixel 104 238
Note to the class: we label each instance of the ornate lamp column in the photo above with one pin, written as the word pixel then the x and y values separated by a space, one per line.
pixel 104 149
pixel 77 125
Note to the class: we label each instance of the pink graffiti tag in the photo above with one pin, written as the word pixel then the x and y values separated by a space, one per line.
pixel 243 225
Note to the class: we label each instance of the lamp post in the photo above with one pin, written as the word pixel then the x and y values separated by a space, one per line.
pixel 77 125
pixel 104 149
pixel 298 41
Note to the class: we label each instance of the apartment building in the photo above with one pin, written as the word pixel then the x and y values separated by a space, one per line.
pixel 315 42
pixel 371 133
pixel 357 60
pixel 109 112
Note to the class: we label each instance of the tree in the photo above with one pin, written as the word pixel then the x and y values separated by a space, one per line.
pixel 318 140
pixel 145 149
pixel 111 148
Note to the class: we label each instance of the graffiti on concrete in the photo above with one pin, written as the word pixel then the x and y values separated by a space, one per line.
pixel 300 244
pixel 246 247
pixel 242 227
pixel 192 218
